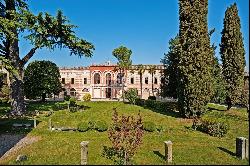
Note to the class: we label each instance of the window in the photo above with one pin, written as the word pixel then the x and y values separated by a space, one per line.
pixel 72 92
pixel 85 80
pixel 119 78
pixel 63 80
pixel 155 80
pixel 72 80
pixel 132 80
pixel 146 80
pixel 97 78
pixel 108 79
pixel 85 90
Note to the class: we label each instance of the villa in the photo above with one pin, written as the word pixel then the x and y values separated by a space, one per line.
pixel 103 81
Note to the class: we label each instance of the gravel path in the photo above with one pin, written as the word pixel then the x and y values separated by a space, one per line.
pixel 10 143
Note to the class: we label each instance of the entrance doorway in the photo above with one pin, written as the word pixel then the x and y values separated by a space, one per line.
pixel 108 92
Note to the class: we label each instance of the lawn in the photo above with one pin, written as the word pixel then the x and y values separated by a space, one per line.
pixel 189 146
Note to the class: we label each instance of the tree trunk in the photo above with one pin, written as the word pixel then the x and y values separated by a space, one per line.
pixel 16 85
pixel 17 96
pixel 141 83
pixel 43 97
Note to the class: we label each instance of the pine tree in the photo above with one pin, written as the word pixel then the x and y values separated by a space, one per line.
pixel 232 54
pixel 41 31
pixel 170 74
pixel 196 58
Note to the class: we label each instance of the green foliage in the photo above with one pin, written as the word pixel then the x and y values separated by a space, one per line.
pixel 140 102
pixel 42 31
pixel 149 126
pixel 126 135
pixel 61 106
pixel 219 89
pixel 87 97
pixel 170 73
pixel 66 97
pixel 5 91
pixel 123 56
pixel 72 102
pixel 91 124
pixel 160 128
pixel 101 126
pixel 41 77
pixel 82 126
pixel 131 95
pixel 158 105
pixel 216 127
pixel 151 98
pixel 233 54
pixel 196 58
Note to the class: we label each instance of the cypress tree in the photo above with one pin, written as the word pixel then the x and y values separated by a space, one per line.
pixel 232 54
pixel 196 58
pixel 170 72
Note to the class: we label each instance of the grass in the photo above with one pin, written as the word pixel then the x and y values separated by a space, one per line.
pixel 189 146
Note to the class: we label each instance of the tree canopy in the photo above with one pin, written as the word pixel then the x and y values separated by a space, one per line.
pixel 40 78
pixel 196 58
pixel 232 54
pixel 41 31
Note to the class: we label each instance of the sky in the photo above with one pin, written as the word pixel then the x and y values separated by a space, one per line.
pixel 144 26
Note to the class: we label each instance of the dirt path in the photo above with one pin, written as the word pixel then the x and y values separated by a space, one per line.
pixel 11 143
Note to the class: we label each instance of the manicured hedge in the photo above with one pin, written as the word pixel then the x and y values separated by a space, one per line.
pixel 83 126
pixel 101 126
pixel 216 127
pixel 157 105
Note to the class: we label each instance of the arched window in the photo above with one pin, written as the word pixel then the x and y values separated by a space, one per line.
pixel 108 79
pixel 72 92
pixel 97 78
pixel 85 90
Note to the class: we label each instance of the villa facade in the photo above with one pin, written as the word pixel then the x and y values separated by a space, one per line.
pixel 103 81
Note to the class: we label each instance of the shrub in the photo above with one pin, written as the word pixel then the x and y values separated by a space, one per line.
pixel 150 103
pixel 140 102
pixel 66 97
pixel 82 126
pixel 149 126
pixel 91 124
pixel 87 97
pixel 160 128
pixel 151 98
pixel 101 126
pixel 131 95
pixel 73 109
pixel 61 106
pixel 126 134
pixel 72 102
pixel 216 127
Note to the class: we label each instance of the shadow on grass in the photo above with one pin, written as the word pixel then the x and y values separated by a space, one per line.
pixel 10 135
pixel 159 154
pixel 227 151
pixel 216 109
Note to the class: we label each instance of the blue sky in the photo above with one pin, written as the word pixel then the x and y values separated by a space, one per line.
pixel 144 26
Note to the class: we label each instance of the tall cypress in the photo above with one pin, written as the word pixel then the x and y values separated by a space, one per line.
pixel 196 58
pixel 232 54
pixel 170 72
